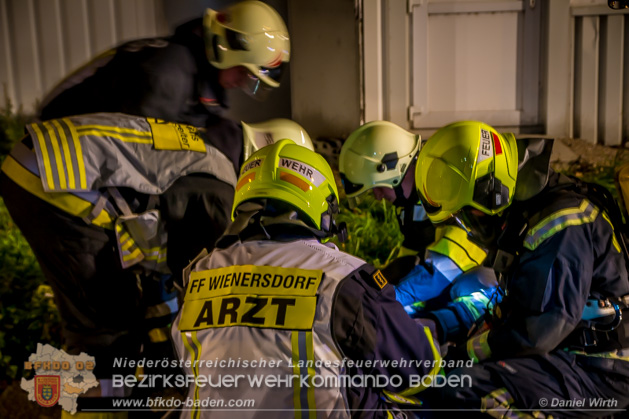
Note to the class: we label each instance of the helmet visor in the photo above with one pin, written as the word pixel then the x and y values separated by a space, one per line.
pixel 482 228
pixel 431 208
pixel 274 74
pixel 256 88
pixel 351 189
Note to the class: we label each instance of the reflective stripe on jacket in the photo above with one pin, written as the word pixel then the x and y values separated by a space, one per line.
pixel 77 163
pixel 264 309
pixel 569 255
pixel 89 152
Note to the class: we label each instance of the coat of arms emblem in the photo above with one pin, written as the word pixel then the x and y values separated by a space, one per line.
pixel 47 389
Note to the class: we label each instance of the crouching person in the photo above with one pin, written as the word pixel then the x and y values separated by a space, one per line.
pixel 292 323
pixel 445 281
pixel 557 344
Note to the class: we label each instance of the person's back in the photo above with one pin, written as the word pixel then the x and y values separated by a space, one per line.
pixel 300 324
pixel 167 78
pixel 270 305
pixel 181 78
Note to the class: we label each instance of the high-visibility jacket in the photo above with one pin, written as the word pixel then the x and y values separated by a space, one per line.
pixel 77 164
pixel 448 257
pixel 445 288
pixel 268 310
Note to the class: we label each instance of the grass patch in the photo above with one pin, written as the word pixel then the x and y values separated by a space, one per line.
pixel 27 314
pixel 27 311
pixel 374 234
pixel 11 126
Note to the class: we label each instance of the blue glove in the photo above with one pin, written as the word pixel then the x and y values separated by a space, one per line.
pixel 420 285
pixel 470 295
pixel 476 279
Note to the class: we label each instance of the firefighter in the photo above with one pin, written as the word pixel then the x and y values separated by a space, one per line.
pixel 381 156
pixel 182 78
pixel 557 343
pixel 276 299
pixel 99 197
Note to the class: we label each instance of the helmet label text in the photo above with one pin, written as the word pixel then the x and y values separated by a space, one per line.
pixel 486 147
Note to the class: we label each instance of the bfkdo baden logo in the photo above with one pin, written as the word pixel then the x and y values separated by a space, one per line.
pixel 59 378
pixel 47 389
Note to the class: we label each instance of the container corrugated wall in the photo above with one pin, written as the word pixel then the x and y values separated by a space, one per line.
pixel 41 41
pixel 601 76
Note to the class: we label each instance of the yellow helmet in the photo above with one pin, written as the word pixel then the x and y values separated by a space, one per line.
pixel 269 132
pixel 290 173
pixel 463 164
pixel 250 34
pixel 377 154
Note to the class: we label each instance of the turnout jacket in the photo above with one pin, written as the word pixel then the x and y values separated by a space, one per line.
pixel 300 309
pixel 567 255
pixel 126 174
pixel 168 78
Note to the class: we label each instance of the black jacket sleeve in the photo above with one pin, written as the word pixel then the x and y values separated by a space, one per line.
pixel 196 211
pixel 548 292
pixel 165 78
pixel 369 324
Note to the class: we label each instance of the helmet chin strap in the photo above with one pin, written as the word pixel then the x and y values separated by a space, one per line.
pixel 413 198
pixel 400 199
pixel 488 239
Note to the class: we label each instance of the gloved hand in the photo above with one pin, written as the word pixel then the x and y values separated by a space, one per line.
pixel 459 316
pixel 421 284
pixel 476 279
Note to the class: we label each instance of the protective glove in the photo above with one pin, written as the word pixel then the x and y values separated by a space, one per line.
pixel 459 316
pixel 420 285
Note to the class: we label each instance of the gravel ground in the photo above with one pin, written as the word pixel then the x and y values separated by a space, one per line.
pixel 570 150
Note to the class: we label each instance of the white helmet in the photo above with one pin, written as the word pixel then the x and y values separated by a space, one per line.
pixel 377 154
pixel 250 34
pixel 269 132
